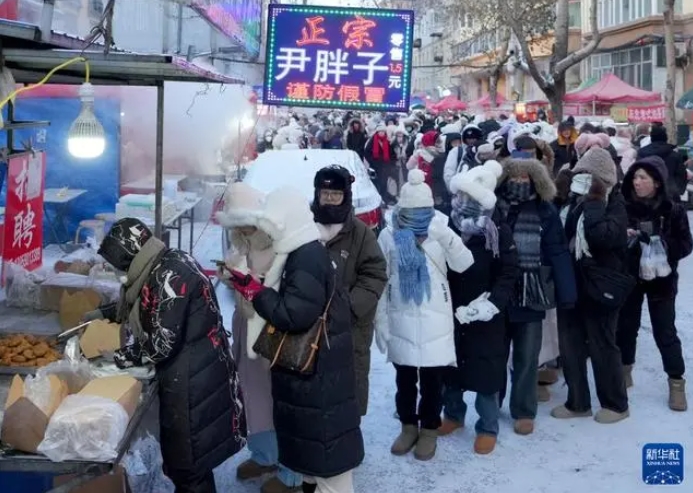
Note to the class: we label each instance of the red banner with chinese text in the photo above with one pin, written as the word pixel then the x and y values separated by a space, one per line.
pixel 23 236
pixel 647 114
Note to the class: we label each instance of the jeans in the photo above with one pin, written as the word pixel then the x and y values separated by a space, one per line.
pixel 486 405
pixel 663 319
pixel 430 382
pixel 264 451
pixel 526 342
pixel 588 333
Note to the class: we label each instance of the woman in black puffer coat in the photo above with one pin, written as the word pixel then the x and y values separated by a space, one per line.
pixel 316 416
pixel 652 211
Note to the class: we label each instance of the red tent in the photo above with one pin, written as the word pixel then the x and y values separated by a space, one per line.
pixel 485 102
pixel 611 89
pixel 450 103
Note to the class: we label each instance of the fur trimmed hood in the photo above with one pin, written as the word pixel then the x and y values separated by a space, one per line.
pixel 536 171
pixel 243 206
pixel 479 183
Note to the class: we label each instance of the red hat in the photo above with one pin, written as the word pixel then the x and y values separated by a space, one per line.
pixel 429 139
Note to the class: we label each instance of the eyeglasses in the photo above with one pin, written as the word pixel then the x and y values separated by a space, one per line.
pixel 331 194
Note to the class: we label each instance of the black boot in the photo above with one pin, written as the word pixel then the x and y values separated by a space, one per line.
pixel 309 488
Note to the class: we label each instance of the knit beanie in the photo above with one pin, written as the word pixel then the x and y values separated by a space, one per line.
pixel 415 193
pixel 242 206
pixel 479 183
pixel 598 162
pixel 588 141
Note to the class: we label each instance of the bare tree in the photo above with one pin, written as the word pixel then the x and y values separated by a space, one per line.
pixel 670 87
pixel 529 21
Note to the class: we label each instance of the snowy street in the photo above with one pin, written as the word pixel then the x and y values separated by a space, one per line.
pixel 560 457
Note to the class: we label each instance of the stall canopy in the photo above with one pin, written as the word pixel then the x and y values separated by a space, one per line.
pixel 485 102
pixel 611 89
pixel 115 68
pixel 450 103
pixel 686 101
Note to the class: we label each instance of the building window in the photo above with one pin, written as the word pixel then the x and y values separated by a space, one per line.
pixel 614 12
pixel 575 14
pixel 633 66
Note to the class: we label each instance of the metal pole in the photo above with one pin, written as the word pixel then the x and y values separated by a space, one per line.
pixel 159 170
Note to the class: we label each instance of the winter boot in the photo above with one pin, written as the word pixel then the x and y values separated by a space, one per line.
pixel 562 412
pixel 547 376
pixel 609 417
pixel 449 426
pixel 524 426
pixel 484 444
pixel 677 395
pixel 543 393
pixel 426 445
pixel 251 470
pixel 628 375
pixel 406 440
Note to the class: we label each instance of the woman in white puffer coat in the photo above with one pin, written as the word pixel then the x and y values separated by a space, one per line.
pixel 414 321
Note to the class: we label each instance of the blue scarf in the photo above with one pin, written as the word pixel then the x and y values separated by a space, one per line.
pixel 410 225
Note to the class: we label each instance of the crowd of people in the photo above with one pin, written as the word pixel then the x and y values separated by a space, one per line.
pixel 510 250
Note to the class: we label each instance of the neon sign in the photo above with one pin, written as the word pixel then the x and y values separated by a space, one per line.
pixel 338 57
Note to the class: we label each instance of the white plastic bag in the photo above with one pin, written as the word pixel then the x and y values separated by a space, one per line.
pixel 85 427
pixel 75 374
pixel 38 391
pixel 659 257
pixel 144 466
pixel 648 270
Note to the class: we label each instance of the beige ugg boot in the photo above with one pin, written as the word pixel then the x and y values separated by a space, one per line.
pixel 628 375
pixel 562 412
pixel 609 417
pixel 677 395
pixel 426 445
pixel 543 393
pixel 406 440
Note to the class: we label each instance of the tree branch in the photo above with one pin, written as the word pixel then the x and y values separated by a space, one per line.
pixel 544 85
pixel 576 57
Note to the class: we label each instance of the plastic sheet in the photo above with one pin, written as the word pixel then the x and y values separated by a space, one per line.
pixel 23 289
pixel 144 466
pixel 75 374
pixel 85 427
pixel 653 260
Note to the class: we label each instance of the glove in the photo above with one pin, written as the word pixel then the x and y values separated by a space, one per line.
pixel 463 315
pixel 93 315
pixel 643 237
pixel 246 285
pixel 381 340
pixel 482 311
pixel 438 231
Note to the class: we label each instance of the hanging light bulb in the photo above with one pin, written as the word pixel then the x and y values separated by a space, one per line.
pixel 86 138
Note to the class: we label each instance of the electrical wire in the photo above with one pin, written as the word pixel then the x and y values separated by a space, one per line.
pixel 202 92
pixel 48 76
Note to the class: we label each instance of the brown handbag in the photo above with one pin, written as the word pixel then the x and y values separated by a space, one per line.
pixel 295 352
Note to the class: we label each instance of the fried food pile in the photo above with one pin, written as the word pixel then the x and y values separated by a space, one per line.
pixel 27 351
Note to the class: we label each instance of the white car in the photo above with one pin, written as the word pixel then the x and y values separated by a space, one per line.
pixel 297 168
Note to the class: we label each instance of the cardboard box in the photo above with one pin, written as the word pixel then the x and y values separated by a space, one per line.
pixel 98 337
pixel 51 290
pixel 122 389
pixel 73 307
pixel 24 423
pixel 117 482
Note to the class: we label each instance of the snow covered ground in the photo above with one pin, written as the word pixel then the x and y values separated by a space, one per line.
pixel 560 457
pixel 575 456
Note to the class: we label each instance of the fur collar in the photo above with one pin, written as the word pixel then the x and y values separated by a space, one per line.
pixel 536 171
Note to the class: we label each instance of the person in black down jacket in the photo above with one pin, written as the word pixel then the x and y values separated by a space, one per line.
pixel 676 170
pixel 524 202
pixel 653 213
pixel 480 295
pixel 172 311
pixel 595 223
pixel 316 416
pixel 356 137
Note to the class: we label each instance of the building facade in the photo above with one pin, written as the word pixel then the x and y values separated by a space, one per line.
pixel 632 46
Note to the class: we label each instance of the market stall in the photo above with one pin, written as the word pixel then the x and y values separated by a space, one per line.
pixel 599 97
pixel 61 289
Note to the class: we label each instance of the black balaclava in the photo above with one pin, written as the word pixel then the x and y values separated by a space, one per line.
pixel 123 242
pixel 332 177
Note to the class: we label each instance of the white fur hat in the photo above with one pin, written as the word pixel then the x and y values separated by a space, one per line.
pixel 243 205
pixel 415 193
pixel 479 183
pixel 288 220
